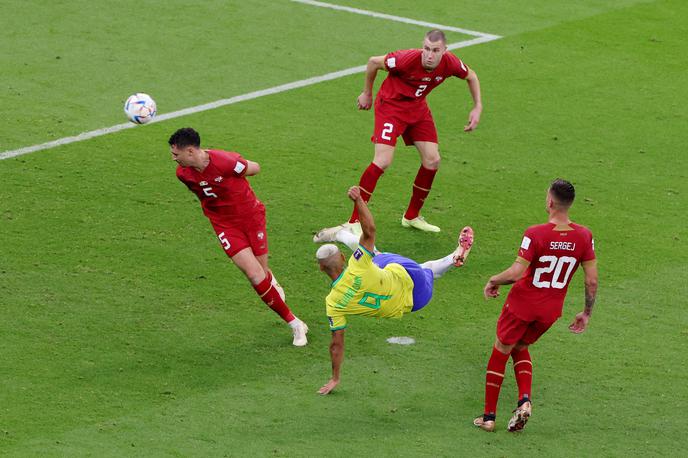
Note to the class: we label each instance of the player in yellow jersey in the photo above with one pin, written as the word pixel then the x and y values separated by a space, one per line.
pixel 382 285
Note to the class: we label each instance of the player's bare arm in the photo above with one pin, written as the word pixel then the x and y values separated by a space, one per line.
pixel 375 64
pixel 366 219
pixel 252 168
pixel 509 276
pixel 580 322
pixel 474 87
pixel 337 356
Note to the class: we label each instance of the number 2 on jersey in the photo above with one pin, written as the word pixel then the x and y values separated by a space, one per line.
pixel 420 89
pixel 556 265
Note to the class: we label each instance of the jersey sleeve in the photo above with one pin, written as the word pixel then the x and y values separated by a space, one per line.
pixel 180 177
pixel 457 67
pixel 589 253
pixel 361 260
pixel 526 252
pixel 233 165
pixel 335 319
pixel 397 61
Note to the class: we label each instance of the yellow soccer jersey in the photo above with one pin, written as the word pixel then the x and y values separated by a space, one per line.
pixel 365 289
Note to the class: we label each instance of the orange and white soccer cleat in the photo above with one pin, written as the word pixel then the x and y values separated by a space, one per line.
pixel 520 418
pixel 465 243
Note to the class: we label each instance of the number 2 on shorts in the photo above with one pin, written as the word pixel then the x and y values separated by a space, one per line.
pixel 388 128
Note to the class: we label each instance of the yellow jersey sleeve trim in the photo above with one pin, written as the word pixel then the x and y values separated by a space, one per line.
pixel 372 255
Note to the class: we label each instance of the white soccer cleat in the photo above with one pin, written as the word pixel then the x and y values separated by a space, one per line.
pixel 329 234
pixel 354 228
pixel 466 237
pixel 300 331
pixel 420 224
pixel 520 418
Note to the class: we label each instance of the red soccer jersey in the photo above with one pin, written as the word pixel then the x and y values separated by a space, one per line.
pixel 408 81
pixel 224 192
pixel 553 254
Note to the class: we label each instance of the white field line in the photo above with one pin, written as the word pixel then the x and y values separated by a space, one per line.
pixel 480 38
pixel 390 17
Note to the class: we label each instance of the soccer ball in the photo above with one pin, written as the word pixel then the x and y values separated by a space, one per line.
pixel 140 108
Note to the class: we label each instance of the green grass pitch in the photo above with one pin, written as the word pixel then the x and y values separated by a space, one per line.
pixel 126 331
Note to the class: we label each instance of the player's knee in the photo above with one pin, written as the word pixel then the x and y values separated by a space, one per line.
pixel 502 347
pixel 382 162
pixel 432 163
pixel 255 275
pixel 520 346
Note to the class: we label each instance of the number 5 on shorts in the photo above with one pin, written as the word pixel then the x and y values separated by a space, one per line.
pixel 224 241
pixel 388 128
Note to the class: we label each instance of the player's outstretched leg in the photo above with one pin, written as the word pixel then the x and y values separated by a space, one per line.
pixel 456 259
pixel 338 234
pixel 328 234
pixel 466 237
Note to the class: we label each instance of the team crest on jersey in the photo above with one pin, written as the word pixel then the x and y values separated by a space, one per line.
pixel 357 254
pixel 218 179
pixel 261 235
pixel 203 183
pixel 438 78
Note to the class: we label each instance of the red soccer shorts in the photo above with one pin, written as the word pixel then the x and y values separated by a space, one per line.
pixel 413 121
pixel 250 232
pixel 512 330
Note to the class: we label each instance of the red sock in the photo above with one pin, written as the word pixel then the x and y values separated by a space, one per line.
pixel 367 185
pixel 271 296
pixel 523 368
pixel 421 189
pixel 493 380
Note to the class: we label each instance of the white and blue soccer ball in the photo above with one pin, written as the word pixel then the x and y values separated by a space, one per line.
pixel 140 108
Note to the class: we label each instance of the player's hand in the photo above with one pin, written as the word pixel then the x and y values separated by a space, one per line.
pixel 328 387
pixel 473 119
pixel 491 290
pixel 365 101
pixel 579 323
pixel 354 193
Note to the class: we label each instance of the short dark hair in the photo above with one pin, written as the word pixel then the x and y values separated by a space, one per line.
pixel 436 35
pixel 185 137
pixel 563 192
